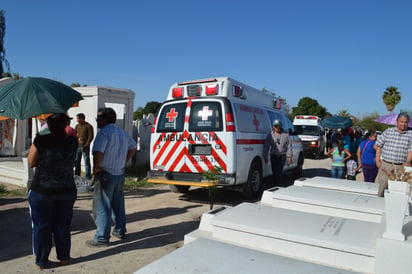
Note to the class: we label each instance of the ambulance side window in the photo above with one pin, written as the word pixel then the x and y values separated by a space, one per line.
pixel 289 128
pixel 172 118
pixel 205 116
pixel 274 115
pixel 286 123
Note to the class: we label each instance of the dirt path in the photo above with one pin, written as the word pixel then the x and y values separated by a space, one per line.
pixel 157 220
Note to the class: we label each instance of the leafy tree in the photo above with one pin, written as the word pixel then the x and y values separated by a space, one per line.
pixel 2 49
pixel 309 106
pixel 150 107
pixel 75 85
pixel 391 97
pixel 368 122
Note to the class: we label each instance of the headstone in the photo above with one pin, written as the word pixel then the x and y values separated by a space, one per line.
pixel 328 202
pixel 209 256
pixel 339 242
pixel 338 184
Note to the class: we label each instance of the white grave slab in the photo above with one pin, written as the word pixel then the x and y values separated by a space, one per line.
pixel 328 202
pixel 339 184
pixel 208 256
pixel 338 242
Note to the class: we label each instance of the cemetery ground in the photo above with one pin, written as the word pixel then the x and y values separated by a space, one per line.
pixel 157 220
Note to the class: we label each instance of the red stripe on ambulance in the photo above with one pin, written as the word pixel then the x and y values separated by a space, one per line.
pixel 220 143
pixel 158 141
pixel 170 155
pixel 219 160
pixel 187 115
pixel 250 141
pixel 179 157
pixel 162 150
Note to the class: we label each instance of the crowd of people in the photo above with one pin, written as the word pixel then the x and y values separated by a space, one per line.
pixel 352 153
pixel 58 149
pixel 56 154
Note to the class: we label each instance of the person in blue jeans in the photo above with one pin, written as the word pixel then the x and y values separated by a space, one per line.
pixel 339 155
pixel 112 149
pixel 85 135
pixel 53 192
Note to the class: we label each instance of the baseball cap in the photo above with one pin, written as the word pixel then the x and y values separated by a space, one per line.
pixel 276 122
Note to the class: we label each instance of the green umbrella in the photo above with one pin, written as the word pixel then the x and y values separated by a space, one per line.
pixel 34 96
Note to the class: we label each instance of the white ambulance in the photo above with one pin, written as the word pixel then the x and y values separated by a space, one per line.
pixel 217 124
pixel 312 134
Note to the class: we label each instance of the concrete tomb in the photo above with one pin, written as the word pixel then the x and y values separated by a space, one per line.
pixel 338 184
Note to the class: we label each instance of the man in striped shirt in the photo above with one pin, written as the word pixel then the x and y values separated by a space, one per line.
pixel 112 149
pixel 393 150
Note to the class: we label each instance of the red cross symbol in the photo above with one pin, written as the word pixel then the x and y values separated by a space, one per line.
pixel 256 122
pixel 171 115
pixel 205 113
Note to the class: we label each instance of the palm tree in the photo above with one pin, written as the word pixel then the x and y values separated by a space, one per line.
pixel 2 49
pixel 391 97
pixel 344 113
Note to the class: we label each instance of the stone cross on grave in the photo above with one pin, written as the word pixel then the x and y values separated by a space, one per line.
pixel 205 113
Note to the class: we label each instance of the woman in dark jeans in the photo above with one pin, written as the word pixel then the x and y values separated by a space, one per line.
pixel 53 192
pixel 367 157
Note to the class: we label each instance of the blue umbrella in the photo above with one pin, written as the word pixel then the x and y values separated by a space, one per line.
pixel 337 122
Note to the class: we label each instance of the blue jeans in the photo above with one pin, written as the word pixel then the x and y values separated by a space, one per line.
pixel 85 152
pixel 337 171
pixel 51 216
pixel 108 205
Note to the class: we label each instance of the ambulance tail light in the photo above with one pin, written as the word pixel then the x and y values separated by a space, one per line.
pixel 230 122
pixel 212 89
pixel 154 124
pixel 177 92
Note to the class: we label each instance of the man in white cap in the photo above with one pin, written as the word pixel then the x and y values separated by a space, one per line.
pixel 280 150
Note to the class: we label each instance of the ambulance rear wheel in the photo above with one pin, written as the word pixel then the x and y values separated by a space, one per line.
pixel 252 188
pixel 179 188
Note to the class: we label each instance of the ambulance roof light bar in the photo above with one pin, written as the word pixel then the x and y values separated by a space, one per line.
pixel 238 91
pixel 212 89
pixel 177 92
pixel 279 103
pixel 307 117
pixel 197 81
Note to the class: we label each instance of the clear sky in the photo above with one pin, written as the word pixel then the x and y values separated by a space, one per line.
pixel 342 53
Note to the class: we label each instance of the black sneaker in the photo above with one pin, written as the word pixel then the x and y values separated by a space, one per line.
pixel 92 243
pixel 118 235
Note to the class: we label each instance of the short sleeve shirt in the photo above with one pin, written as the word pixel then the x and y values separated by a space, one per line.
pixel 114 143
pixel 55 161
pixel 395 145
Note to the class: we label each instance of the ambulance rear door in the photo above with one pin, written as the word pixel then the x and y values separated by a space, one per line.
pixel 168 146
pixel 190 139
pixel 208 146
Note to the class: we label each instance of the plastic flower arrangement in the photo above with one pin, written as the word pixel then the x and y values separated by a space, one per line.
pixel 403 176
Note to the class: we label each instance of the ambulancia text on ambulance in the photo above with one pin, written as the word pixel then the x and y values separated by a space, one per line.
pixel 217 124
pixel 311 133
